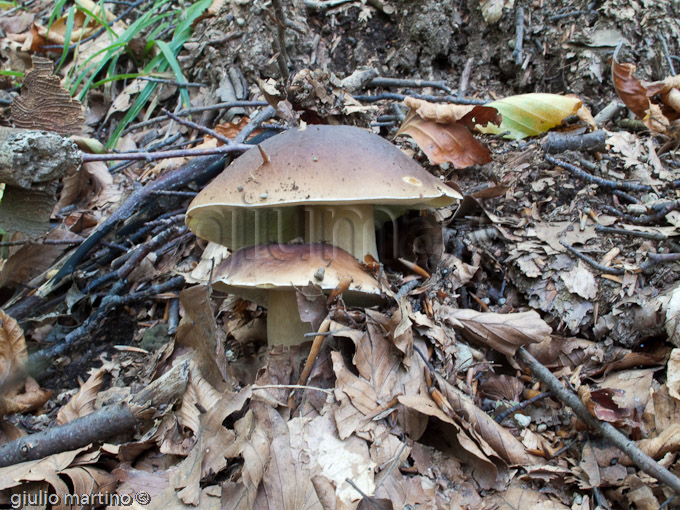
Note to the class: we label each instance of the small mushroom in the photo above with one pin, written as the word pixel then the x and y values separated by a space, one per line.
pixel 269 274
pixel 332 184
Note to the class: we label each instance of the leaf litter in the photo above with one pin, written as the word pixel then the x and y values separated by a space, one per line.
pixel 404 405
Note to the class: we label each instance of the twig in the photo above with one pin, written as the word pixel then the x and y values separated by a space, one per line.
pixel 173 316
pixel 282 57
pixel 667 53
pixel 519 35
pixel 646 219
pixel 632 233
pixel 198 127
pixel 291 386
pixel 608 112
pixel 155 156
pixel 196 109
pixel 605 183
pixel 42 241
pixel 406 288
pixel 643 461
pixel 314 351
pixel 654 259
pixel 555 142
pixel 101 424
pixel 426 97
pixel 625 196
pixel 526 403
pixel 398 82
pixel 39 361
pixel 144 249
pixel 465 77
pixel 594 263
pixel 176 193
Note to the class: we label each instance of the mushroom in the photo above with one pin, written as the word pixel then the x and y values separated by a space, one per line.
pixel 321 183
pixel 269 274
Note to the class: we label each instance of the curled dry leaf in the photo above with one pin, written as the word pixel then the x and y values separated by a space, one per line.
pixel 636 95
pixel 82 403
pixel 13 352
pixel 502 332
pixel 442 131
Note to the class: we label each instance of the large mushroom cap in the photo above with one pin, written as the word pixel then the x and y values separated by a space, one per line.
pixel 255 271
pixel 317 165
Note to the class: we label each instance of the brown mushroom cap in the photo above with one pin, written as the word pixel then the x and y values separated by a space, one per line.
pixel 317 165
pixel 255 271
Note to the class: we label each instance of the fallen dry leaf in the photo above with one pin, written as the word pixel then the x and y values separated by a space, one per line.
pixel 448 137
pixel 82 403
pixel 503 332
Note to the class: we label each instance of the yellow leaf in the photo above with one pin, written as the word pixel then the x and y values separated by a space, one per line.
pixel 531 114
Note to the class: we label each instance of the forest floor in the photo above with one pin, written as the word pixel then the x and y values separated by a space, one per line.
pixel 145 383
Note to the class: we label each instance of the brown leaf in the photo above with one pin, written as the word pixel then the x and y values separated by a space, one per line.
pixel 44 104
pixel 502 332
pixel 631 91
pixel 484 429
pixel 199 332
pixel 445 142
pixel 82 403
pixel 441 113
pixel 369 503
pixel 286 483
pixel 13 352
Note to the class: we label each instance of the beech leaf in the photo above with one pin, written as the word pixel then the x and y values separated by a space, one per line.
pixel 530 114
pixel 443 143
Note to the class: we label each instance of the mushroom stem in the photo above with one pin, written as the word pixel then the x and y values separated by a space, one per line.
pixel 350 227
pixel 283 319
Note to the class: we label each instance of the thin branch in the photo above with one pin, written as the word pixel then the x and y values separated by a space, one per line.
pixel 155 156
pixel 605 183
pixel 632 233
pixel 642 460
pixel 426 97
pixel 511 410
pixel 282 57
pixel 398 82
pixel 101 424
pixel 592 262
pixel 196 109
pixel 519 35
pixel 667 53
pixel 39 361
pixel 198 127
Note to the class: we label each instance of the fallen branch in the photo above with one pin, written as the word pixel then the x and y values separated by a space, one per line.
pixel 592 262
pixel 605 183
pixel 101 424
pixel 556 142
pixel 643 461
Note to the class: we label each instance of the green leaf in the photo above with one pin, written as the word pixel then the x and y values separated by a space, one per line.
pixel 530 114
